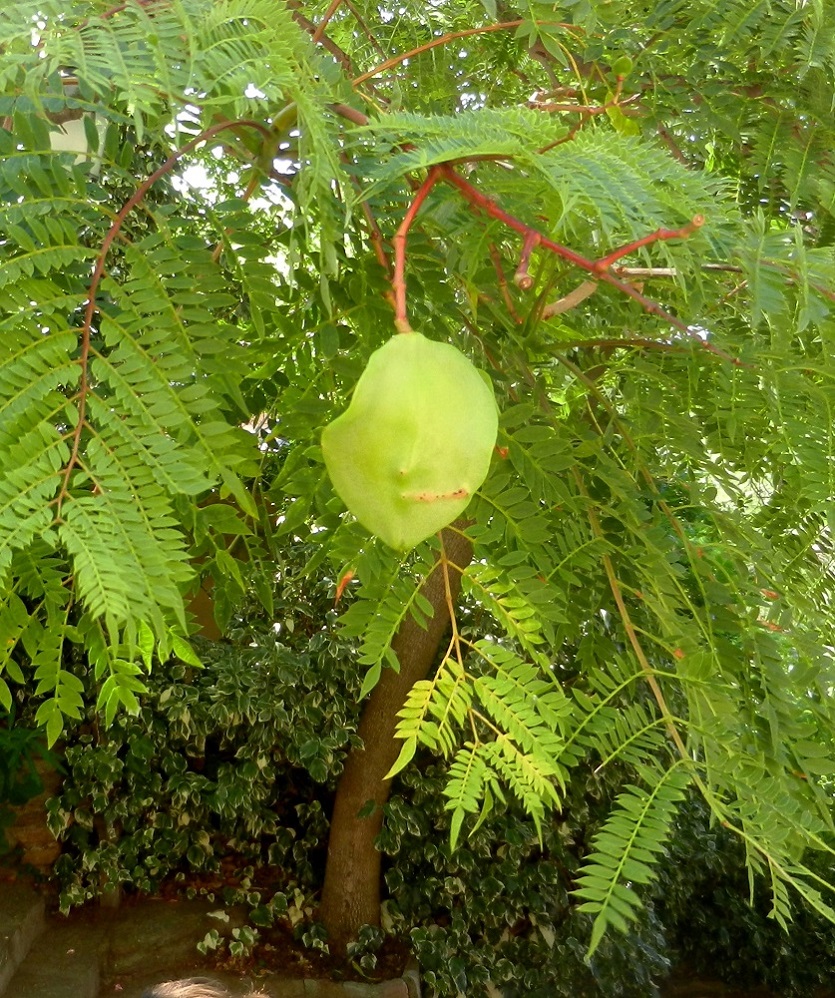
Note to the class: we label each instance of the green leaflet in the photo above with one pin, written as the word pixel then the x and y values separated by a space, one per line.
pixel 624 849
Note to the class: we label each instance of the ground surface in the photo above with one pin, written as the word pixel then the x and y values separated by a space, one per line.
pixel 684 984
pixel 118 953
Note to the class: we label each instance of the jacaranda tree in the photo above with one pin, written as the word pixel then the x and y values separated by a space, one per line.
pixel 212 213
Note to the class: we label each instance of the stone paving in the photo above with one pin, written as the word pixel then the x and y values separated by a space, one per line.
pixel 119 953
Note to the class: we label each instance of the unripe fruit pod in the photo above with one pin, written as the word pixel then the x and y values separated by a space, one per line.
pixel 415 442
pixel 622 66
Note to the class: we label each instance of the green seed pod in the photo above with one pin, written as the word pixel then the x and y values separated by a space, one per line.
pixel 622 66
pixel 415 443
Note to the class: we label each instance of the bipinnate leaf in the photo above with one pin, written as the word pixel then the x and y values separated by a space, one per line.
pixel 625 852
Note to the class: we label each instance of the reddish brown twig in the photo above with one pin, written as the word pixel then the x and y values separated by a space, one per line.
pixel 446 39
pixel 98 273
pixel 364 27
pixel 376 237
pixel 672 145
pixel 503 288
pixel 399 241
pixel 586 111
pixel 653 237
pixel 320 30
pixel 350 113
pixel 342 57
pixel 568 137
pixel 479 200
pixel 489 207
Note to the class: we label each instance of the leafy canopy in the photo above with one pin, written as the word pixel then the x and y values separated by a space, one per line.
pixel 621 211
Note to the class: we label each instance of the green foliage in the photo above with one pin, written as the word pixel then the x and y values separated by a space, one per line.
pixel 625 850
pixel 161 350
pixel 20 749
pixel 220 785
pixel 496 914
pixel 718 927
pixel 630 230
pixel 220 764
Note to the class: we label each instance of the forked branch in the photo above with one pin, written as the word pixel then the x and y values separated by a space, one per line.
pixel 600 269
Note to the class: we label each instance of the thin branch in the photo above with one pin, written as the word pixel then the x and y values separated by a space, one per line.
pixel 350 113
pixel 646 271
pixel 568 137
pixel 377 242
pixel 616 343
pixel 364 27
pixel 445 40
pixel 649 675
pixel 98 273
pixel 339 54
pixel 489 207
pixel 475 197
pixel 653 237
pixel 571 300
pixel 586 109
pixel 320 30
pixel 455 640
pixel 123 6
pixel 399 241
pixel 503 288
pixel 522 278
pixel 672 145
pixel 376 236
pixel 730 267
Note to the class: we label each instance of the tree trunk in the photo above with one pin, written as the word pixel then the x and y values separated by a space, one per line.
pixel 351 893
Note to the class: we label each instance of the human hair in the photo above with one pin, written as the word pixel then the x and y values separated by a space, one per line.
pixel 194 987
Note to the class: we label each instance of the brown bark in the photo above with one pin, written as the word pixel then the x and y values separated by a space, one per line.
pixel 351 893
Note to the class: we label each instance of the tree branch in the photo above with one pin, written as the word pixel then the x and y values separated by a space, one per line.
pixel 445 40
pixel 594 267
pixel 399 241
pixel 341 56
pixel 364 27
pixel 351 892
pixel 98 273
pixel 653 237
pixel 320 30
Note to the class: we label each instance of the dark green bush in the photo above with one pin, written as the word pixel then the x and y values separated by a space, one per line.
pixel 20 748
pixel 235 764
pixel 718 929
pixel 235 759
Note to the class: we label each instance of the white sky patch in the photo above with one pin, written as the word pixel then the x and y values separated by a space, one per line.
pixel 193 176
